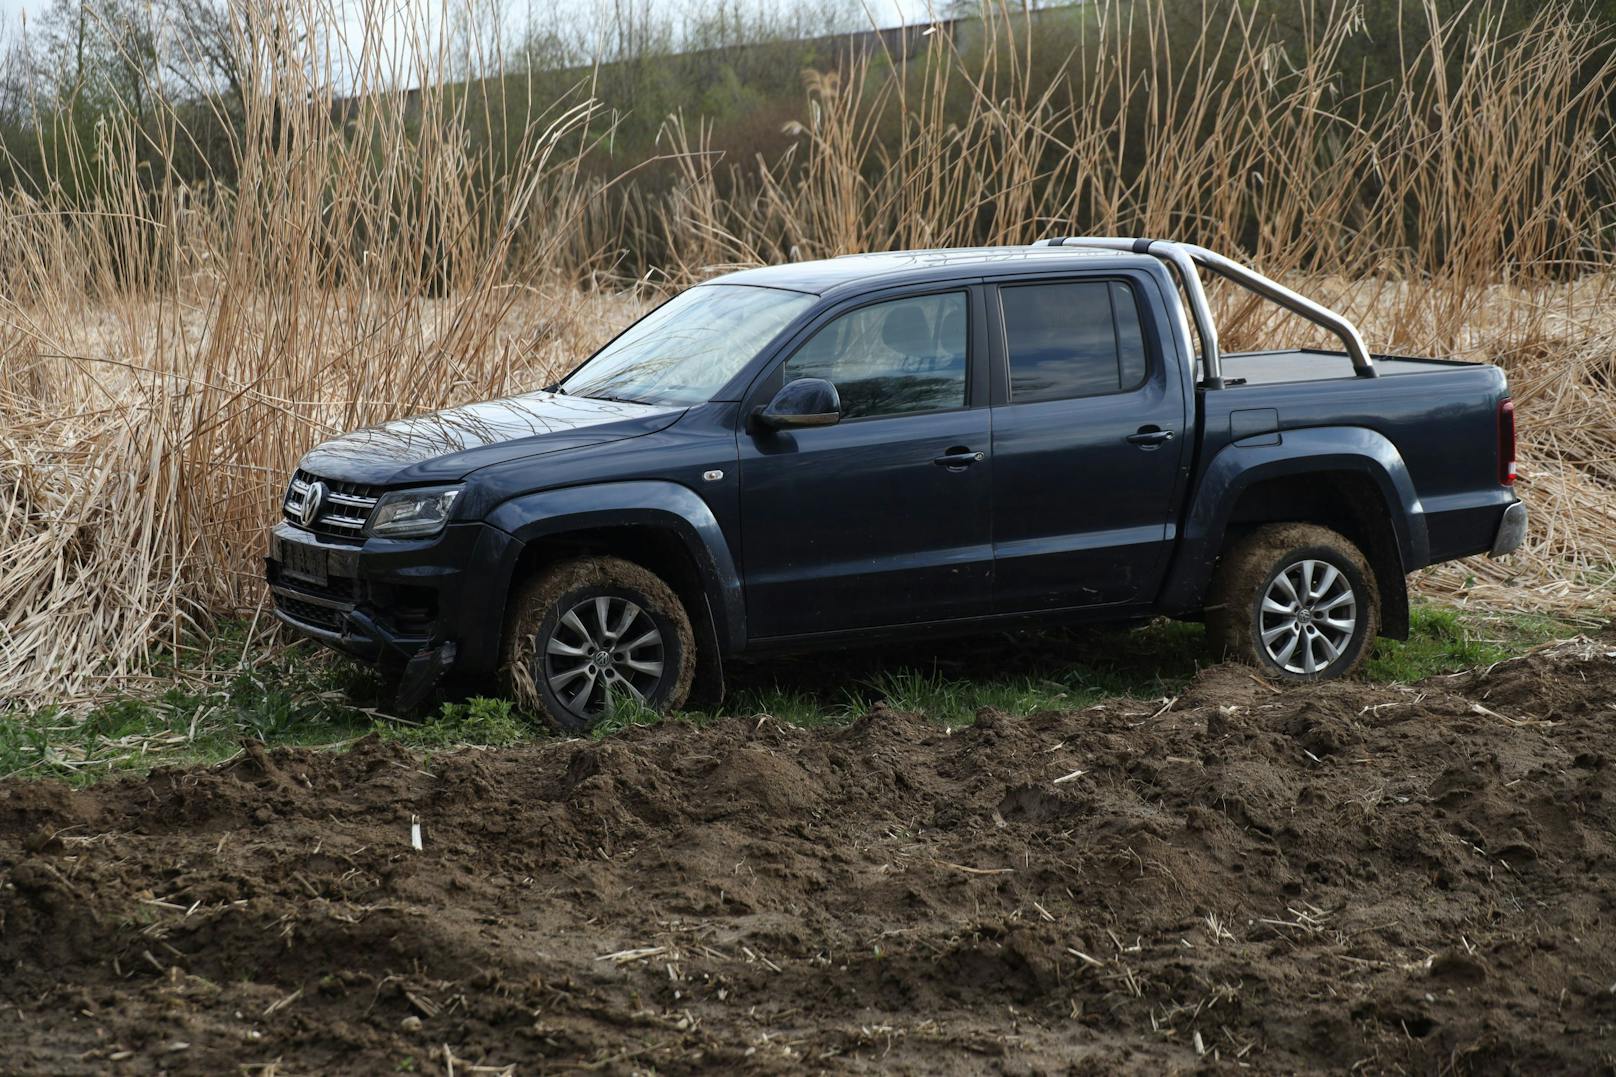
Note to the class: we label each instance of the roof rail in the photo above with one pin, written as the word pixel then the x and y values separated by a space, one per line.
pixel 1185 257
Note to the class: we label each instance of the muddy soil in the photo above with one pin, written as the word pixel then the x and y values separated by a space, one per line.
pixel 1394 879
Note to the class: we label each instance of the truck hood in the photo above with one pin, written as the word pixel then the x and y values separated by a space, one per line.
pixel 448 445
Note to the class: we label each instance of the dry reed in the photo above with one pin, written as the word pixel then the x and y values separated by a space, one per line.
pixel 167 351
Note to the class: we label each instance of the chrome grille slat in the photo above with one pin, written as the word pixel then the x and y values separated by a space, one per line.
pixel 343 513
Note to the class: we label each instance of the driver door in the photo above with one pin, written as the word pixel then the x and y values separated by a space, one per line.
pixel 885 517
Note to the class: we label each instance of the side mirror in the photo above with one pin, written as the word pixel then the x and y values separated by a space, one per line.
pixel 804 402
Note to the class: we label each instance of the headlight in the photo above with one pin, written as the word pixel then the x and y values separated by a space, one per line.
pixel 406 513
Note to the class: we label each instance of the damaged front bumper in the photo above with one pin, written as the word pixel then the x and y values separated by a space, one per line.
pixel 389 601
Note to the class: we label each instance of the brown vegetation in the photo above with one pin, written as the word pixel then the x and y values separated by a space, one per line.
pixel 168 349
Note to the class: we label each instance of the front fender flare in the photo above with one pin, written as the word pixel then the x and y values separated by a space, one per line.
pixel 1315 450
pixel 664 505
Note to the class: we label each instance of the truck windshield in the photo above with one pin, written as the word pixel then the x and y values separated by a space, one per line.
pixel 684 351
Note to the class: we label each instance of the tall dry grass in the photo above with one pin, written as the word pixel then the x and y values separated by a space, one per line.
pixel 167 350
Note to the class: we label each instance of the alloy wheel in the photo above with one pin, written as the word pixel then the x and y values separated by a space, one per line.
pixel 1308 616
pixel 603 646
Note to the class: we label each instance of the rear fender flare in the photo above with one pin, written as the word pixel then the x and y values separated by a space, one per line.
pixel 1315 450
pixel 666 506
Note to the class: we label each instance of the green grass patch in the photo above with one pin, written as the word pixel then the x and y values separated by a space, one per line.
pixel 288 696
pixel 951 680
pixel 481 721
pixel 302 696
pixel 625 713
pixel 1443 639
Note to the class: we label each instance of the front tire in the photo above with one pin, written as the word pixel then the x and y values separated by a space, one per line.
pixel 1297 601
pixel 586 634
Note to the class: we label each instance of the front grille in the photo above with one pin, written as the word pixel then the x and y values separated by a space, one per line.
pixel 309 613
pixel 320 605
pixel 343 510
pixel 336 588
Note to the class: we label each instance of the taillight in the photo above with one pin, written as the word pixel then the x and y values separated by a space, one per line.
pixel 1506 442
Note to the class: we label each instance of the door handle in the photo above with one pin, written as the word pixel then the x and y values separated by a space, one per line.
pixel 958 458
pixel 1150 436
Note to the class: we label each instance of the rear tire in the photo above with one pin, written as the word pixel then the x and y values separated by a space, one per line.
pixel 1298 601
pixel 583 634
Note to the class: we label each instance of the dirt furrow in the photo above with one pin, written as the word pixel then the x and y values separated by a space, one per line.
pixel 1404 878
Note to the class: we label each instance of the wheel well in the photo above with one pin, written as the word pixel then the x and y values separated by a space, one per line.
pixel 661 551
pixel 1345 501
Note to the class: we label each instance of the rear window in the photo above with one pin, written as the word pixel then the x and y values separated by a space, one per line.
pixel 1070 339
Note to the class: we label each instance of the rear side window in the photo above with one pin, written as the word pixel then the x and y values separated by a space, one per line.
pixel 1075 338
pixel 890 358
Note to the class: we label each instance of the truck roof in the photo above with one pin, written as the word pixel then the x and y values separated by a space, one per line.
pixel 906 267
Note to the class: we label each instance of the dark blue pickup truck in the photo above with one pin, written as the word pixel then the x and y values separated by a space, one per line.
pixel 939 442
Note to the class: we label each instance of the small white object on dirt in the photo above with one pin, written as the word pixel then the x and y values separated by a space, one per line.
pixel 415 833
pixel 1070 777
pixel 1085 957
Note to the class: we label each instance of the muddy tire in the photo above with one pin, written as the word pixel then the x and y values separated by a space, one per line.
pixel 1297 601
pixel 585 633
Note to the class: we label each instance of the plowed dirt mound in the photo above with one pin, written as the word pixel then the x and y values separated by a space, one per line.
pixel 1399 879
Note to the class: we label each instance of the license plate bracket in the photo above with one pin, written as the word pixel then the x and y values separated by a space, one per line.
pixel 311 564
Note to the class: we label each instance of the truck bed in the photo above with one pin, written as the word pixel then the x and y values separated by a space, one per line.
pixel 1318 364
pixel 1440 416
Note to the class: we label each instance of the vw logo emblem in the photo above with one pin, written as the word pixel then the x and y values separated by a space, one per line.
pixel 312 502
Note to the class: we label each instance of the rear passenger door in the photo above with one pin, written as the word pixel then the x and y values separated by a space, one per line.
pixel 1089 442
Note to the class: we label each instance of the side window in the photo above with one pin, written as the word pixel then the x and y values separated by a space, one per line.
pixel 1075 338
pixel 889 358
